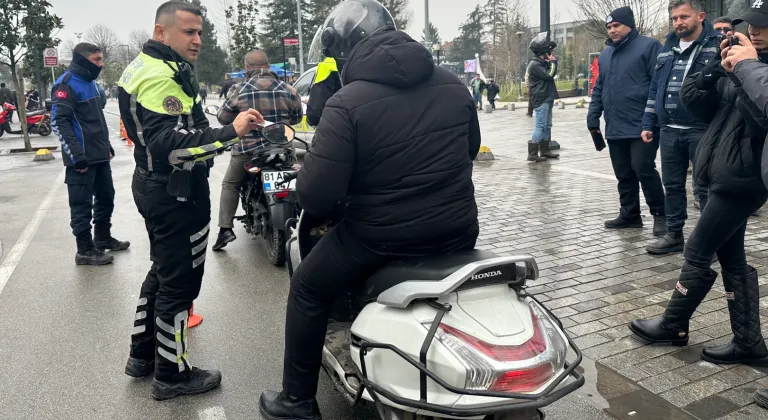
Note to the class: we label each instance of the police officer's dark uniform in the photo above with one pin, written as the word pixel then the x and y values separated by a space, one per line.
pixel 327 82
pixel 78 121
pixel 161 110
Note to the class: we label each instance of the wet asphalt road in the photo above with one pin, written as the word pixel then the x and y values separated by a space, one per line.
pixel 65 329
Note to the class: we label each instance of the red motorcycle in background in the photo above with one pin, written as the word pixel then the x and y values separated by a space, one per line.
pixel 38 122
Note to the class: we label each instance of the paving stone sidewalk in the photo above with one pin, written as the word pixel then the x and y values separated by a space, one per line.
pixel 597 280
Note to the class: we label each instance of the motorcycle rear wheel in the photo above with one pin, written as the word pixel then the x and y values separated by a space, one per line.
pixel 44 130
pixel 276 246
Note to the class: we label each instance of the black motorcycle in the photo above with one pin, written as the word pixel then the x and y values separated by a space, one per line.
pixel 269 203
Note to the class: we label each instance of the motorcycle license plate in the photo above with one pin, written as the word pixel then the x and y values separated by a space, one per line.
pixel 270 180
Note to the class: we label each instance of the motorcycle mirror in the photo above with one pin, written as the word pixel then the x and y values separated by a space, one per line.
pixel 212 110
pixel 278 133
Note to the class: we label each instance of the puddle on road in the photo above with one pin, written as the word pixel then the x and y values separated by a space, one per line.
pixel 622 398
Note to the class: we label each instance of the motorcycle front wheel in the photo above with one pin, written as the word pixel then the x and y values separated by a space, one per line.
pixel 276 246
pixel 44 130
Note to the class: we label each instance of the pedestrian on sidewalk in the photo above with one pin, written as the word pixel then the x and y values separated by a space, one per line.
pixel 731 94
pixel 478 86
pixel 626 68
pixel 278 102
pixel 543 92
pixel 78 120
pixel 687 50
pixel 7 96
pixel 492 89
pixel 158 97
pixel 203 94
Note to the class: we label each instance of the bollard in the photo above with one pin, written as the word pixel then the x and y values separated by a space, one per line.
pixel 484 154
pixel 488 110
pixel 43 155
pixel 580 104
pixel 562 105
pixel 511 107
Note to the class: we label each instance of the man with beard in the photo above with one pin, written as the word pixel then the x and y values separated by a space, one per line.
pixel 687 50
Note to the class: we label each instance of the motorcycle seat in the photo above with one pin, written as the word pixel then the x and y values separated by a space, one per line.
pixel 33 113
pixel 428 268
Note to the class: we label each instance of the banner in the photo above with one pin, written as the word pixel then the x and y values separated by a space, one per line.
pixel 594 70
pixel 470 66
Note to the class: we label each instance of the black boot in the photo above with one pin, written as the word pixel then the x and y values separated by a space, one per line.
pixel 667 244
pixel 87 254
pixel 139 368
pixel 748 346
pixel 554 145
pixel 225 236
pixel 624 222
pixel 672 327
pixel 546 152
pixel 196 381
pixel 659 225
pixel 102 238
pixel 281 406
pixel 533 153
pixel 761 397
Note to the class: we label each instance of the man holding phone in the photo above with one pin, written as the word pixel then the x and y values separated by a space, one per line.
pixel 627 67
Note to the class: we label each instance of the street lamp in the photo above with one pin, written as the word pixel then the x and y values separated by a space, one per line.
pixel 520 62
pixel 436 48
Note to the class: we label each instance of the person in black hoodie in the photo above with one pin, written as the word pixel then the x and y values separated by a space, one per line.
pixel 728 161
pixel 395 147
pixel 543 91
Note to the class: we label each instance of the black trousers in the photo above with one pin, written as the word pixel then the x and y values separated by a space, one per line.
pixel 178 240
pixel 337 263
pixel 720 230
pixel 91 198
pixel 634 166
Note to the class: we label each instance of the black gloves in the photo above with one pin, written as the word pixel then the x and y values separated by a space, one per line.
pixel 711 74
pixel 81 164
pixel 111 151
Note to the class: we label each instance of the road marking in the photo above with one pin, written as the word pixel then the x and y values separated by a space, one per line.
pixel 212 413
pixel 14 256
pixel 582 172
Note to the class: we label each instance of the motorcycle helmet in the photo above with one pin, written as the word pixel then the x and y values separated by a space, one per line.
pixel 315 54
pixel 349 23
pixel 541 45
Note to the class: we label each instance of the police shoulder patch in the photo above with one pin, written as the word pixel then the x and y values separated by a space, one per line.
pixel 173 105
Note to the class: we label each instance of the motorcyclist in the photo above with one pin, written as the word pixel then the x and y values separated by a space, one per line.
pixel 395 147
pixel 327 82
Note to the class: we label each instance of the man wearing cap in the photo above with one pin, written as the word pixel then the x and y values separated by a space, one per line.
pixel 687 50
pixel 627 66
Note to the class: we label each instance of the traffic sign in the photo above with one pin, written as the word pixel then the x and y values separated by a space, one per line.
pixel 290 41
pixel 51 57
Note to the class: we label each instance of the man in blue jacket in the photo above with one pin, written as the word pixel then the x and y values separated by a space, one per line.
pixel 78 121
pixel 626 69
pixel 687 50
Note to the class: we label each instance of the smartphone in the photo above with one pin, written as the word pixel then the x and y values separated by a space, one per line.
pixel 733 40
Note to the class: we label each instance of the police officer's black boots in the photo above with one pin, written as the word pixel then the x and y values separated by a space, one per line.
pixel 191 382
pixel 103 239
pixel 748 346
pixel 279 405
pixel 88 254
pixel 672 327
pixel 139 368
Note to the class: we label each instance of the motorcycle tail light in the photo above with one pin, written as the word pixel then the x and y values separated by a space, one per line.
pixel 509 368
pixel 251 168
pixel 295 166
pixel 282 194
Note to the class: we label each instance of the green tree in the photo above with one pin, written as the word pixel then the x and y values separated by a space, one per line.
pixel 495 19
pixel 23 23
pixel 212 62
pixel 434 36
pixel 243 21
pixel 281 21
pixel 317 11
pixel 470 39
pixel 399 11
pixel 37 42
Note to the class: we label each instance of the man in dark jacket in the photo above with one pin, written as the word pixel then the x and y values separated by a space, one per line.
pixel 226 86
pixel 6 96
pixel 395 147
pixel 626 69
pixel 78 121
pixel 543 92
pixel 687 49
pixel 492 89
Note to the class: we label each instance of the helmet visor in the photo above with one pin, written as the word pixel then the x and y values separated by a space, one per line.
pixel 315 54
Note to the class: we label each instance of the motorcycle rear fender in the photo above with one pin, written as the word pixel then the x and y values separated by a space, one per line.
pixel 280 210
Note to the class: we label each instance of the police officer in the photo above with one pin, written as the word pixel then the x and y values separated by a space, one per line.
pixel 78 121
pixel 327 82
pixel 161 110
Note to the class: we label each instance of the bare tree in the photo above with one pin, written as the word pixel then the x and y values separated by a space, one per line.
pixel 136 40
pixel 66 49
pixel 648 14
pixel 104 38
pixel 221 20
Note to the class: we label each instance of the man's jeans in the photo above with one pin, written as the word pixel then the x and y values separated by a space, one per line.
pixel 230 190
pixel 543 122
pixel 678 148
pixel 478 100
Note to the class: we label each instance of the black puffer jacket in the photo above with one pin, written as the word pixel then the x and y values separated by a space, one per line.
pixel 728 156
pixel 541 80
pixel 396 144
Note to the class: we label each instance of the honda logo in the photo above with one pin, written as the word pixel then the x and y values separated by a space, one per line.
pixel 487 275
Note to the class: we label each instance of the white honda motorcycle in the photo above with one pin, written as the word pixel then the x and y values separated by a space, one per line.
pixel 451 336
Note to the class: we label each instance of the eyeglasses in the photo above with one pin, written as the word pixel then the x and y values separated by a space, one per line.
pixel 723 30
